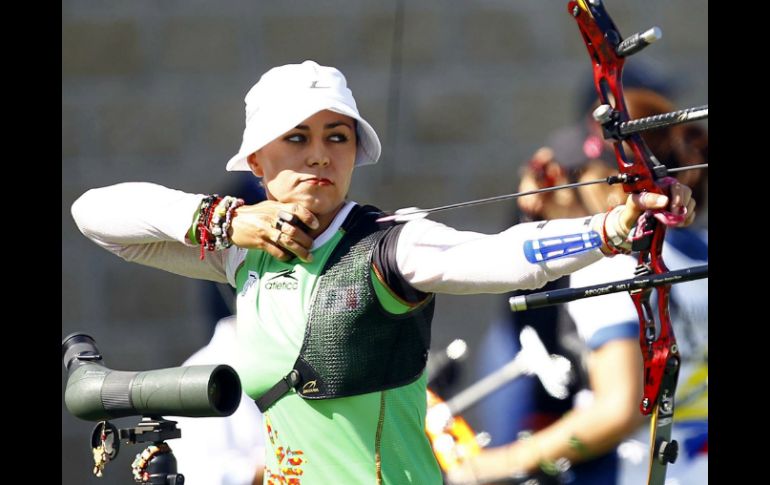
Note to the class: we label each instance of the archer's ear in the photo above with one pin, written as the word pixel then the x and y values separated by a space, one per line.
pixel 254 165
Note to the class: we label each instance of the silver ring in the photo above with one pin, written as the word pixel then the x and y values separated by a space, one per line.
pixel 278 238
pixel 285 216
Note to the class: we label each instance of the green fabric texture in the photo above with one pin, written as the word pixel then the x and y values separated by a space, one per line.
pixel 352 345
pixel 315 442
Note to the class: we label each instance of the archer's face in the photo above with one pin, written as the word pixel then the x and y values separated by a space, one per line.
pixel 311 164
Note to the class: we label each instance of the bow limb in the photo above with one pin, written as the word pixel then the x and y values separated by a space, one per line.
pixel 661 357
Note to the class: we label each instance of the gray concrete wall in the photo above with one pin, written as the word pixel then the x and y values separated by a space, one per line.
pixel 154 91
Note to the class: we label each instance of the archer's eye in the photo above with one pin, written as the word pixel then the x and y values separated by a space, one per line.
pixel 338 138
pixel 296 138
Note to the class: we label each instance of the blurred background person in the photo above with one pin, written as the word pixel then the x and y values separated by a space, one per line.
pixel 600 336
pixel 221 451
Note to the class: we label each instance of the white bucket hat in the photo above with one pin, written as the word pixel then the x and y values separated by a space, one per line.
pixel 287 95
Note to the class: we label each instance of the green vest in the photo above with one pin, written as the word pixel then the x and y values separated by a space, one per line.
pixel 352 345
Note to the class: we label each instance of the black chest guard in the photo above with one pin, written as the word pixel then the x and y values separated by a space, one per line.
pixel 352 345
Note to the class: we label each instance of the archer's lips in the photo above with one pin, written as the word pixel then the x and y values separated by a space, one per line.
pixel 319 181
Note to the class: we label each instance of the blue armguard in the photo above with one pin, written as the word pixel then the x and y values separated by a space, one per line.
pixel 539 250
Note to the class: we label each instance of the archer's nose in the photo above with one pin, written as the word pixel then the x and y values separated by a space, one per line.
pixel 319 159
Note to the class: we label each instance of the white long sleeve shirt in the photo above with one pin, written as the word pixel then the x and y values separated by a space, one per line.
pixel 148 224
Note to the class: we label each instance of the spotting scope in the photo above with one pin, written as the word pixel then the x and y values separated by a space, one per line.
pixel 95 392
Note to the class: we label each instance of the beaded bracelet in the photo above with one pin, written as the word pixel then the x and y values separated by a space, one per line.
pixel 221 219
pixel 139 465
pixel 214 220
pixel 610 246
pixel 205 237
pixel 614 249
pixel 549 467
pixel 576 444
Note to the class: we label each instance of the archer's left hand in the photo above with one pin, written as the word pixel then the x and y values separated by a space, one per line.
pixel 679 206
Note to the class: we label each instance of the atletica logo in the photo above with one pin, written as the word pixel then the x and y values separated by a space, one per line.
pixel 316 86
pixel 310 387
pixel 287 281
